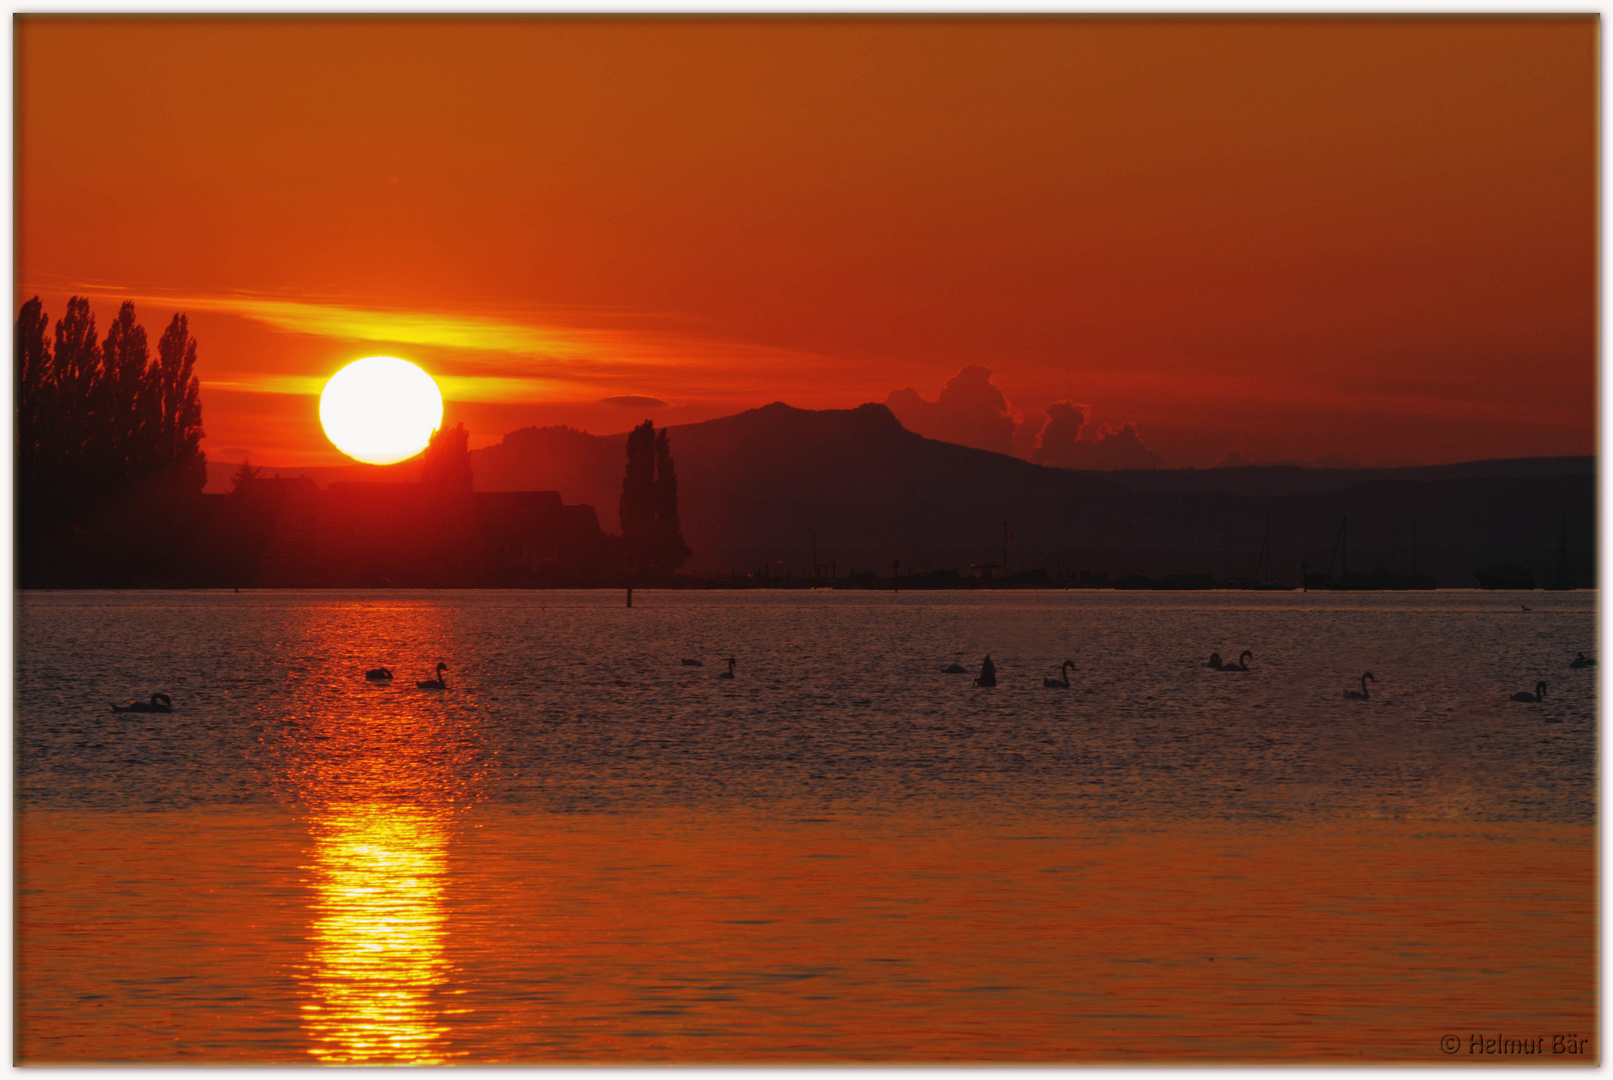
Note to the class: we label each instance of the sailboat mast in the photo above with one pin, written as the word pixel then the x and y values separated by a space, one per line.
pixel 1337 541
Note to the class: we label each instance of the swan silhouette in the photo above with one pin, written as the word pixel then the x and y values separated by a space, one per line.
pixel 1215 661
pixel 158 703
pixel 379 674
pixel 954 669
pixel 1060 683
pixel 1526 607
pixel 1240 665
pixel 1538 695
pixel 692 663
pixel 439 683
pixel 1581 661
pixel 729 674
pixel 988 673
pixel 1361 694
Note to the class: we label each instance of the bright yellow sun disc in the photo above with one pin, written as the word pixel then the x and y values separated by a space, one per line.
pixel 380 409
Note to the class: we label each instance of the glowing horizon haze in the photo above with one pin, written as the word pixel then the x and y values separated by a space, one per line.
pixel 1292 238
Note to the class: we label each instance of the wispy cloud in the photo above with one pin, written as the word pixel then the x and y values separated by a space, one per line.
pixel 500 357
pixel 435 329
pixel 258 383
pixel 473 388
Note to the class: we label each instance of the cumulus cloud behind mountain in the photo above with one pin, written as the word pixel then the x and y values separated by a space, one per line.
pixel 973 411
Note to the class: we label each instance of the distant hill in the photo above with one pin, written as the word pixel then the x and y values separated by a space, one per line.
pixel 755 486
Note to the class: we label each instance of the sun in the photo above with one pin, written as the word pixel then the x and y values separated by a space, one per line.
pixel 380 409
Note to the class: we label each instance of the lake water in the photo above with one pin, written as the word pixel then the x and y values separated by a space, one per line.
pixel 584 850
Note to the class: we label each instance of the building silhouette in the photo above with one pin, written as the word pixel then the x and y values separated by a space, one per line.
pixel 288 532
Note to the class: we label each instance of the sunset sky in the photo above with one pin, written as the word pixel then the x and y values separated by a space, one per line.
pixel 1366 239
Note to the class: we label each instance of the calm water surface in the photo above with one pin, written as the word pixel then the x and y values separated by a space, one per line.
pixel 585 850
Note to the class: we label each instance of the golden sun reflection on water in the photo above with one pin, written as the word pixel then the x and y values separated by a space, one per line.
pixel 376 944
pixel 383 770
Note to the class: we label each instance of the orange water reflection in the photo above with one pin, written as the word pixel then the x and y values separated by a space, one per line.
pixel 383 770
pixel 376 958
pixel 735 937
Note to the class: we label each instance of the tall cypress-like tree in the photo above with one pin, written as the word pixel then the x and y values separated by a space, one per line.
pixel 95 418
pixel 637 505
pixel 35 392
pixel 668 532
pixel 649 503
pixel 129 399
pixel 77 376
pixel 179 402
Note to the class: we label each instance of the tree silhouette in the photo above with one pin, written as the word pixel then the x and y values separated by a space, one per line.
pixel 76 373
pixel 651 533
pixel 245 475
pixel 63 441
pixel 128 408
pixel 668 531
pixel 637 505
pixel 35 398
pixel 98 424
pixel 446 463
pixel 178 395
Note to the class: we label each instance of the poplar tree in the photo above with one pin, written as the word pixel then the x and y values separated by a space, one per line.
pixel 649 504
pixel 35 396
pixel 668 533
pixel 128 400
pixel 637 505
pixel 76 375
pixel 178 393
pixel 93 419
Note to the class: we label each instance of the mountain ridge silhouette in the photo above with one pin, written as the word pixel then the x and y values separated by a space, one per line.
pixel 756 485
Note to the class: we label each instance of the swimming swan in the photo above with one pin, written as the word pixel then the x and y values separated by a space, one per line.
pixel 1581 661
pixel 379 674
pixel 158 703
pixel 1215 661
pixel 1240 665
pixel 1061 683
pixel 439 683
pixel 729 674
pixel 1361 694
pixel 954 669
pixel 1538 695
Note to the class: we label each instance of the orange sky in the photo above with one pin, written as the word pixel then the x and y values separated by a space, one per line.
pixel 1373 239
